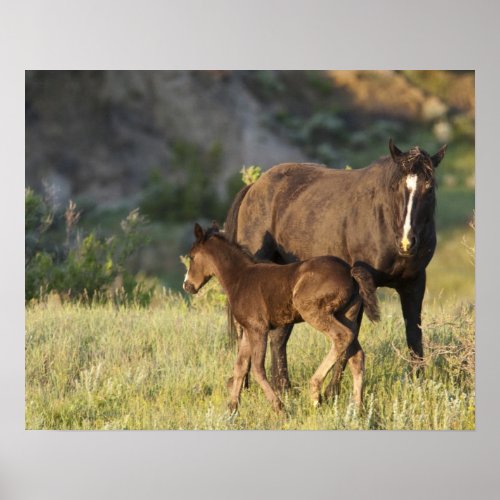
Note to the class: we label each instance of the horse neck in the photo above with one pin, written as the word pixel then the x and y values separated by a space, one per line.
pixel 228 261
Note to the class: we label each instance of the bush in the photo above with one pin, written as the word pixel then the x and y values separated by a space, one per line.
pixel 250 174
pixel 194 191
pixel 85 268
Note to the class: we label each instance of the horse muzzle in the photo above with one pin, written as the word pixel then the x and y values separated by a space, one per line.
pixel 407 247
pixel 189 287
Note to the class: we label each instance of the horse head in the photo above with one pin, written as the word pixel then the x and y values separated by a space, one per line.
pixel 200 265
pixel 412 184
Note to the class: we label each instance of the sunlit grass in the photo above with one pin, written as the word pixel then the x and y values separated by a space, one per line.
pixel 450 274
pixel 166 368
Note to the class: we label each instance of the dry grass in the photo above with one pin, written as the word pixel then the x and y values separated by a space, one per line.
pixel 165 368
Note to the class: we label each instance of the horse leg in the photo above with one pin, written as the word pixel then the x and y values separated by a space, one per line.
pixel 258 342
pixel 357 367
pixel 333 387
pixel 279 366
pixel 411 295
pixel 241 368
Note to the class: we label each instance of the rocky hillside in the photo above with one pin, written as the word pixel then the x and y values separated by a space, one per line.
pixel 99 134
pixel 102 136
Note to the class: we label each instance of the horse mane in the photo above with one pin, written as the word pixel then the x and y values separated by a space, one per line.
pixel 214 233
pixel 415 161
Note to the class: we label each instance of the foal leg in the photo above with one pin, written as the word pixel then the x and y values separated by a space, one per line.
pixel 258 342
pixel 357 367
pixel 320 374
pixel 241 368
pixel 279 366
pixel 341 336
pixel 333 388
pixel 239 337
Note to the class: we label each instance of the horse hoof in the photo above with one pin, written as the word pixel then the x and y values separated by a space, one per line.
pixel 278 406
pixel 281 385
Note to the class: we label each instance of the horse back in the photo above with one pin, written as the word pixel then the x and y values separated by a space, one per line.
pixel 297 211
pixel 294 208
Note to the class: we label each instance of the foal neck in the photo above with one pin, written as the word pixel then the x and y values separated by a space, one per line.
pixel 229 260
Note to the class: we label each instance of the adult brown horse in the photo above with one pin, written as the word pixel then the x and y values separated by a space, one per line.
pixel 380 216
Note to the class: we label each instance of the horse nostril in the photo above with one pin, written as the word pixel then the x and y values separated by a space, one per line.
pixel 189 287
pixel 408 245
pixel 413 242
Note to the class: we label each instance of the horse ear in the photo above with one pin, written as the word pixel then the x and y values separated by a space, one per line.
pixel 436 159
pixel 396 153
pixel 215 227
pixel 198 232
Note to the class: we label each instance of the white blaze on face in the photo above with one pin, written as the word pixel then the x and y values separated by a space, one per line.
pixel 411 184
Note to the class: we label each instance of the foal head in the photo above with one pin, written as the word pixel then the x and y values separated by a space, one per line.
pixel 412 184
pixel 200 265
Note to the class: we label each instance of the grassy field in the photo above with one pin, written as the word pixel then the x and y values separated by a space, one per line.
pixel 165 367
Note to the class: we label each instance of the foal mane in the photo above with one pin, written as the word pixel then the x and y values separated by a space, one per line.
pixel 211 233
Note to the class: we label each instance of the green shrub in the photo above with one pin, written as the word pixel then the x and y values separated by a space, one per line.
pixel 85 268
pixel 194 191
pixel 250 174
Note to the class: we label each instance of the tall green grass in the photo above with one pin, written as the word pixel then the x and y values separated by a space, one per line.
pixel 165 367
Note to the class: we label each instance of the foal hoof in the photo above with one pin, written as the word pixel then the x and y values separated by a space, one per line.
pixel 233 408
pixel 332 391
pixel 317 400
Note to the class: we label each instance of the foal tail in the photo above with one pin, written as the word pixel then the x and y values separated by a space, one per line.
pixel 367 290
pixel 230 229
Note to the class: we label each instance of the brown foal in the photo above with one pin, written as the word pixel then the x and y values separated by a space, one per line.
pixel 324 291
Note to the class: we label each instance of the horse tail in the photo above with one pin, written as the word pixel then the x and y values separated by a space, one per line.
pixel 367 291
pixel 230 230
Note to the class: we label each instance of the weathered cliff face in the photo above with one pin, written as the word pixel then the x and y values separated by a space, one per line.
pixel 98 134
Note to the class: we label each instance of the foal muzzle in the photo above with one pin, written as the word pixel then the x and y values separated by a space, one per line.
pixel 189 287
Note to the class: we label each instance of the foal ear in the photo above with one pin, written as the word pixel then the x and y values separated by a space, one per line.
pixel 436 159
pixel 396 153
pixel 198 232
